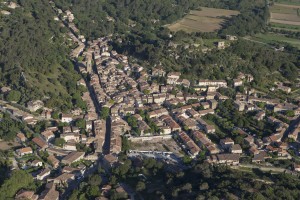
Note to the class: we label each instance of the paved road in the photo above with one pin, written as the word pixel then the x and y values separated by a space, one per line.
pixel 263 168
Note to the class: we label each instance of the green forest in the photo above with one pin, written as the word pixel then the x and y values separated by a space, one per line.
pixel 201 181
pixel 34 55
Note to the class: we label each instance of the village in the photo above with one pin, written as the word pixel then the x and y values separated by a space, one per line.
pixel 154 110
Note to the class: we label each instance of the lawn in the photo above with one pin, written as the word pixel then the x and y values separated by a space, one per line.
pixel 203 20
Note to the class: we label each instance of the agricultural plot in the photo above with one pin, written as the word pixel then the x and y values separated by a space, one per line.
pixel 203 20
pixel 288 2
pixel 286 15
pixel 271 38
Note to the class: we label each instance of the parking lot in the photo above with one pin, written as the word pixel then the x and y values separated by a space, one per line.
pixel 166 146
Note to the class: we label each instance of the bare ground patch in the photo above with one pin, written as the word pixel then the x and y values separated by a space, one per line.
pixel 205 20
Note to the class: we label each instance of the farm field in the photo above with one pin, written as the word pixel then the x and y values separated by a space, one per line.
pixel 285 27
pixel 288 2
pixel 285 15
pixel 204 20
pixel 271 38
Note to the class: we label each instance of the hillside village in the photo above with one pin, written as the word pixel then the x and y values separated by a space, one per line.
pixel 127 101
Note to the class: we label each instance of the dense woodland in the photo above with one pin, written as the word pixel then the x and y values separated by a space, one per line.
pixel 9 127
pixel 201 181
pixel 34 55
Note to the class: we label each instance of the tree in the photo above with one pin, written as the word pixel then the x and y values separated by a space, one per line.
pixel 104 112
pixel 18 180
pixel 125 144
pixel 59 142
pixel 290 113
pixel 95 180
pixel 93 191
pixel 140 186
pixel 80 123
pixel 55 115
pixel 13 95
pixel 204 186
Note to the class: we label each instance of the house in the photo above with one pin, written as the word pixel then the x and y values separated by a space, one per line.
pixel 260 157
pixel 21 137
pixel 165 130
pixel 294 134
pixel 48 135
pixel 236 148
pixel 64 179
pixel 36 163
pixel 240 106
pixel 109 161
pixel 46 114
pixel 35 105
pixel 260 115
pixel 45 173
pixel 231 37
pixel 226 158
pixel 205 105
pixel 5 90
pixel 88 125
pixel 76 111
pixel 284 88
pixel 70 146
pixel 72 157
pixel 191 146
pixel 49 193
pixel 226 143
pixel 173 77
pixel 143 127
pixel 53 161
pixel 73 137
pixel 249 140
pixel 253 150
pixel 72 170
pixel 41 144
pixel 221 45
pixel 218 83
pixel 24 151
pixel 158 72
pixel 205 112
pixel 296 167
pixel 192 113
pixel 66 118
pixel 26 195
pixel 237 82
pixel 213 104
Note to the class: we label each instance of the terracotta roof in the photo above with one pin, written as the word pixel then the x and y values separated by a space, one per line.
pixel 25 150
pixel 38 141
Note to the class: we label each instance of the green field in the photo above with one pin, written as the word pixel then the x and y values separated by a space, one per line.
pixel 271 38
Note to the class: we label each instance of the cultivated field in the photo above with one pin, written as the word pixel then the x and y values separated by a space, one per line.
pixel 285 14
pixel 204 20
pixel 271 38
pixel 288 2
